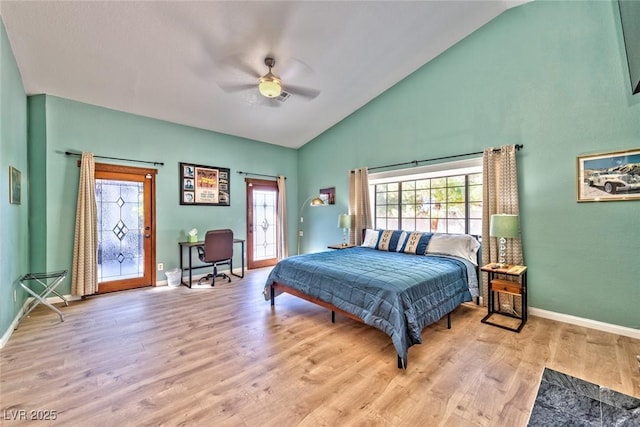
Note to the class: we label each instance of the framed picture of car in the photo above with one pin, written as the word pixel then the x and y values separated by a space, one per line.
pixel 609 176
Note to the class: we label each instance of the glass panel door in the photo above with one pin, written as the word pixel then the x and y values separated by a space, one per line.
pixel 262 224
pixel 126 248
pixel 120 229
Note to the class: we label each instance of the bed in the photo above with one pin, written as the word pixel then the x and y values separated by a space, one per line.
pixel 399 284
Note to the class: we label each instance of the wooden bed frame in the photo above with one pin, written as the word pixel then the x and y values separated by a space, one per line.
pixel 402 363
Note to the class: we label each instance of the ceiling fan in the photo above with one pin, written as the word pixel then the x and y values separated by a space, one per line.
pixel 269 85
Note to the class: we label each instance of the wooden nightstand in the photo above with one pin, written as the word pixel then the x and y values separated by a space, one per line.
pixel 341 246
pixel 517 288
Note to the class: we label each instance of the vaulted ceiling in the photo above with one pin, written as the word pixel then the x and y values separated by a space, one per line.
pixel 198 63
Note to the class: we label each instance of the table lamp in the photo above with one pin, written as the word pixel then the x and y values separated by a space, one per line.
pixel 504 226
pixel 344 222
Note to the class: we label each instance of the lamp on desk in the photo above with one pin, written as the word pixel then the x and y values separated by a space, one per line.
pixel 312 201
pixel 344 222
pixel 504 226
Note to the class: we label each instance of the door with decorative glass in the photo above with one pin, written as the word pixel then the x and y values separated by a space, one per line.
pixel 262 214
pixel 126 229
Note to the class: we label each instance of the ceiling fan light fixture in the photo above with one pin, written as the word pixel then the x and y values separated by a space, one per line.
pixel 270 86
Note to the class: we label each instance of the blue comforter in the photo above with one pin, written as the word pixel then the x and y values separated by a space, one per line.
pixel 395 292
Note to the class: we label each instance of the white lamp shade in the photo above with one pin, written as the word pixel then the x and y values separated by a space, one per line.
pixel 504 225
pixel 344 221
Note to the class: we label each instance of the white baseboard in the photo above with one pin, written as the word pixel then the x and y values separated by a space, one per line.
pixel 14 324
pixel 587 323
pixel 196 277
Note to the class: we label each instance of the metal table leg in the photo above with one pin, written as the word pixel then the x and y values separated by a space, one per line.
pixel 41 279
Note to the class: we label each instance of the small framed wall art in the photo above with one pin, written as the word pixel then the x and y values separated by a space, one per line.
pixel 609 176
pixel 204 185
pixel 15 186
pixel 328 195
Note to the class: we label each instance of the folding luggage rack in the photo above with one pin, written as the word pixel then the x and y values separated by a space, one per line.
pixel 49 282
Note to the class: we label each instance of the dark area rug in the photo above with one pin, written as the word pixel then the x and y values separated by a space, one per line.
pixel 564 400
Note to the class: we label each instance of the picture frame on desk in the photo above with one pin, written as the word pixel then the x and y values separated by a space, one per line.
pixel 202 185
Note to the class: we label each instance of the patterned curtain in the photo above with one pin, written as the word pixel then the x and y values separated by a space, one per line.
pixel 359 205
pixel 500 196
pixel 84 279
pixel 282 248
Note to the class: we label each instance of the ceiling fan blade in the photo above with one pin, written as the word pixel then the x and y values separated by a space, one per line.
pixel 235 63
pixel 302 91
pixel 293 68
pixel 237 87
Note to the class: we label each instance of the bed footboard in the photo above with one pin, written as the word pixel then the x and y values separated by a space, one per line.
pixel 297 293
pixel 402 363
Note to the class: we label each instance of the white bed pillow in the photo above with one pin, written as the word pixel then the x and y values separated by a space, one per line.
pixel 370 238
pixel 460 245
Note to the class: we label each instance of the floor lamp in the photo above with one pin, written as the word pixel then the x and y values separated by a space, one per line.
pixel 314 201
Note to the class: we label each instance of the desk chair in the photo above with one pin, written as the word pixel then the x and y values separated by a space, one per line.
pixel 217 250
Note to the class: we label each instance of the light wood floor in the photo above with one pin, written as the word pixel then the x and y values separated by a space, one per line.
pixel 222 356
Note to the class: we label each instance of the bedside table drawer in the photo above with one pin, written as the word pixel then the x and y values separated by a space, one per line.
pixel 499 285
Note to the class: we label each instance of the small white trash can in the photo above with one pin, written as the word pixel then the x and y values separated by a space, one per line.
pixel 173 277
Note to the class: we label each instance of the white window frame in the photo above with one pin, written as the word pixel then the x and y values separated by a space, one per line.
pixel 458 167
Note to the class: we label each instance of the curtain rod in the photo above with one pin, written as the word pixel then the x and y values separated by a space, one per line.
pixel 259 174
pixel 69 153
pixel 415 162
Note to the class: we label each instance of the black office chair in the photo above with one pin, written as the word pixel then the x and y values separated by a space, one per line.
pixel 217 250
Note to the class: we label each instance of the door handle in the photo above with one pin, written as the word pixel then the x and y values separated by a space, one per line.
pixel 147 235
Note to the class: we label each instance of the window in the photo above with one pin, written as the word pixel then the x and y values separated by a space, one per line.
pixel 437 198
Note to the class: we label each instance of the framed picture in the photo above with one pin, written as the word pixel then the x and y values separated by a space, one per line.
pixel 328 195
pixel 15 186
pixel 609 176
pixel 204 185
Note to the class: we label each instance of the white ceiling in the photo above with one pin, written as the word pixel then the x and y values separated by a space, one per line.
pixel 175 60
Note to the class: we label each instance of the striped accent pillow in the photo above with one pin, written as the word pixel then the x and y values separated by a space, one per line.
pixel 384 242
pixel 417 243
pixel 401 239
pixel 412 241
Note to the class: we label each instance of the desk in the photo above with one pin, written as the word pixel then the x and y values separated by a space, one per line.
pixel 191 245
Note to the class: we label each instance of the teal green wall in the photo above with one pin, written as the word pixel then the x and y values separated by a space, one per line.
pixel 73 126
pixel 37 144
pixel 551 76
pixel 14 260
